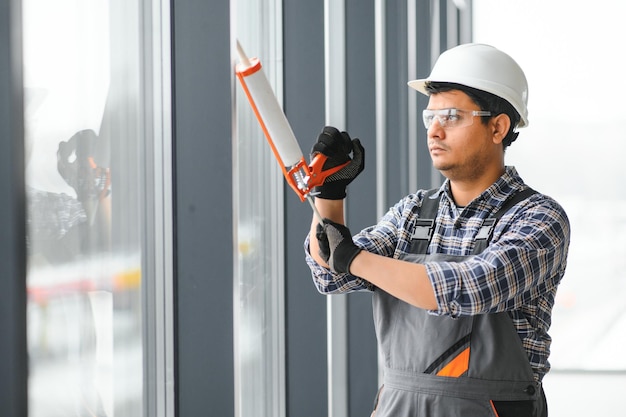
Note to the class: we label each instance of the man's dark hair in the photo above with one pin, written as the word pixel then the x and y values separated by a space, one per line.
pixel 486 101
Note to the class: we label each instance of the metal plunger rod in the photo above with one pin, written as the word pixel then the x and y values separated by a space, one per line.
pixel 317 213
pixel 310 200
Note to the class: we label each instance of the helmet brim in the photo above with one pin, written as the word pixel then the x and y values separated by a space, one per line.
pixel 419 85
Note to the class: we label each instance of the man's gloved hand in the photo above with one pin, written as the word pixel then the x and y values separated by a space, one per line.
pixel 337 146
pixel 336 245
pixel 322 241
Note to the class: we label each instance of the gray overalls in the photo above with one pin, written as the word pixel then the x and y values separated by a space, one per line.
pixel 437 366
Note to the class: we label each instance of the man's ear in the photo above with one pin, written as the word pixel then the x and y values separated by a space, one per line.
pixel 500 127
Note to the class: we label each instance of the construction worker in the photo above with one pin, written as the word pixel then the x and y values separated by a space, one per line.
pixel 464 276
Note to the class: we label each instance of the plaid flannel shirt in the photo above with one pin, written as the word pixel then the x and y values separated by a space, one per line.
pixel 518 272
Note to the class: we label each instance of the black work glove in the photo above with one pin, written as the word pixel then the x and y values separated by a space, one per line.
pixel 337 146
pixel 336 245
pixel 322 241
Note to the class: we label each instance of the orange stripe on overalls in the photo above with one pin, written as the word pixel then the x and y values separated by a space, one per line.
pixel 457 366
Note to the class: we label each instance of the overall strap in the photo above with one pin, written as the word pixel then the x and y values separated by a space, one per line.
pixel 513 200
pixel 430 205
pixel 486 230
pixel 425 225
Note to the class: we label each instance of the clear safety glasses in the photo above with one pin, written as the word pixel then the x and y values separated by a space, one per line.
pixel 451 118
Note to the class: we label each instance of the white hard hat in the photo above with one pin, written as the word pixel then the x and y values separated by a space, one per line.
pixel 485 68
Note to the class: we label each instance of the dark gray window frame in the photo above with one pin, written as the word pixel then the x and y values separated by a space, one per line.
pixel 203 242
pixel 13 345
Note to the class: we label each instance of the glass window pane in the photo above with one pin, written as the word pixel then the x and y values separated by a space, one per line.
pixel 259 316
pixel 85 162
pixel 575 156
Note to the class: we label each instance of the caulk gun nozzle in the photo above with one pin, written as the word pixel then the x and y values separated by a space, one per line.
pixel 243 58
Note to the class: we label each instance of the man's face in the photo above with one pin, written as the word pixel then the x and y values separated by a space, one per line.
pixel 461 153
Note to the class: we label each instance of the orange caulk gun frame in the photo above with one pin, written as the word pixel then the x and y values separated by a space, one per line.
pixel 311 175
pixel 300 176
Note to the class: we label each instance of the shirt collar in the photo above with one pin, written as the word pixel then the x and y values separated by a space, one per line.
pixel 509 183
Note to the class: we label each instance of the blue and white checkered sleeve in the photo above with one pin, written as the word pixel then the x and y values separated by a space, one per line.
pixel 525 260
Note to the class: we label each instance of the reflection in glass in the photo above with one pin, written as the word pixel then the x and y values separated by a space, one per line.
pixel 81 76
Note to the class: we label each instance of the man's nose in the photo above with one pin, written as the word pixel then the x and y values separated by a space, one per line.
pixel 435 125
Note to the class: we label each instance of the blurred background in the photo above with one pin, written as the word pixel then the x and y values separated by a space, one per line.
pixel 163 253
